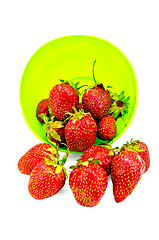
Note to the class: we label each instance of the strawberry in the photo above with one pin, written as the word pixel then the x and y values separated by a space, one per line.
pixel 88 182
pixel 142 149
pixel 96 99
pixel 62 98
pixel 126 171
pixel 42 109
pixel 47 178
pixel 33 156
pixel 104 153
pixel 80 131
pixel 107 128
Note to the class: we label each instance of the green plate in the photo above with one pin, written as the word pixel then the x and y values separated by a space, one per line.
pixel 72 57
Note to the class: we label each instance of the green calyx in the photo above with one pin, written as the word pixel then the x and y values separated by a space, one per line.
pixel 77 114
pixel 119 106
pixel 54 160
pixel 85 163
pixel 50 124
pixel 132 145
pixel 107 146
pixel 73 84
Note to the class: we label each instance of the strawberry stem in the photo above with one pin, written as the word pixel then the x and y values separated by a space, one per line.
pixel 93 72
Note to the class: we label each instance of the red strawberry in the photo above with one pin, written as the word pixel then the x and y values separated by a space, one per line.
pixel 103 153
pixel 33 156
pixel 62 98
pixel 107 128
pixel 42 109
pixel 47 178
pixel 88 182
pixel 142 149
pixel 80 131
pixel 126 171
pixel 96 99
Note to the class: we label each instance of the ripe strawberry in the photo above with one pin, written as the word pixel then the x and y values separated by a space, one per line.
pixel 33 156
pixel 88 182
pixel 47 178
pixel 103 153
pixel 142 149
pixel 107 128
pixel 80 131
pixel 96 99
pixel 42 109
pixel 126 171
pixel 62 98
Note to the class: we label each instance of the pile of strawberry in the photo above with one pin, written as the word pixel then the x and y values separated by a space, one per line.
pixel 88 179
pixel 76 124
pixel 76 118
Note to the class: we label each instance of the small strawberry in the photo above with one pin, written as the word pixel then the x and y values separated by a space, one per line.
pixel 107 128
pixel 88 182
pixel 47 178
pixel 33 156
pixel 42 109
pixel 96 99
pixel 80 131
pixel 104 153
pixel 63 97
pixel 126 171
pixel 142 149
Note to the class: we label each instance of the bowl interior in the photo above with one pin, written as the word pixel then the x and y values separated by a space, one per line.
pixel 70 58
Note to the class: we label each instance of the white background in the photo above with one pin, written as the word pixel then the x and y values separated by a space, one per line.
pixel 27 25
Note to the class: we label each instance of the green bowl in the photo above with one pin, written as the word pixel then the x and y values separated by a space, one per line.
pixel 72 57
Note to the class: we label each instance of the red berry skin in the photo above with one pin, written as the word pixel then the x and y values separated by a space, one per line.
pixel 107 128
pixel 144 154
pixel 32 157
pixel 62 98
pixel 44 182
pixel 42 108
pixel 96 101
pixel 88 184
pixel 97 152
pixel 80 134
pixel 126 171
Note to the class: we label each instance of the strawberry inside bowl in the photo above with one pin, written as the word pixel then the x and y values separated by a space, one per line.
pixel 71 58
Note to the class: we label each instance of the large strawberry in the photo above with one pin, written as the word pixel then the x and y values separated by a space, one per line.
pixel 80 131
pixel 88 182
pixel 104 153
pixel 126 171
pixel 42 109
pixel 107 128
pixel 141 148
pixel 47 178
pixel 33 156
pixel 96 99
pixel 63 97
